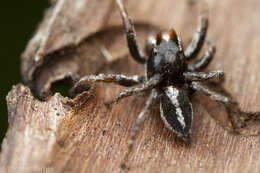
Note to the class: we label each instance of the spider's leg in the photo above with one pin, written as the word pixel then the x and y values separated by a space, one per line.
pixel 204 61
pixel 212 94
pixel 137 126
pixel 134 49
pixel 202 76
pixel 238 118
pixel 119 79
pixel 199 37
pixel 141 88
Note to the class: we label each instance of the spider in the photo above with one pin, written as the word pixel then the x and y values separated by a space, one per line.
pixel 168 76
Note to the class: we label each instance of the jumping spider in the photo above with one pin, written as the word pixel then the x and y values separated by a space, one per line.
pixel 168 76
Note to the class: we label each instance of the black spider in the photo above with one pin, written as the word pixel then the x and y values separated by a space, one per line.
pixel 168 76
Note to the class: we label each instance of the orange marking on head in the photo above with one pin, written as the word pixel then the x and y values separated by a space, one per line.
pixel 150 47
pixel 172 34
pixel 158 38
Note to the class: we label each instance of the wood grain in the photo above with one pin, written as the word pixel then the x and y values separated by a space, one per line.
pixel 81 135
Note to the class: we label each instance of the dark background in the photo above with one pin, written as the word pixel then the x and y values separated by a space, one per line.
pixel 18 21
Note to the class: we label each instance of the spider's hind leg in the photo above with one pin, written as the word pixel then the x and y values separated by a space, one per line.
pixel 239 119
pixel 137 126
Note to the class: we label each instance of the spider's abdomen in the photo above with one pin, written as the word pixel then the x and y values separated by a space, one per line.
pixel 176 111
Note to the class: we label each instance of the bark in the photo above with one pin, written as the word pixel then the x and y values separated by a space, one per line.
pixel 61 134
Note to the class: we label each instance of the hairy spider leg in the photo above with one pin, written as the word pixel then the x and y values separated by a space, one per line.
pixel 202 63
pixel 118 79
pixel 202 76
pixel 152 82
pixel 199 37
pixel 232 106
pixel 134 49
pixel 138 124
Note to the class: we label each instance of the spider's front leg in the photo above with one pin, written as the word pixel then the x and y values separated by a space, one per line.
pixel 119 79
pixel 239 119
pixel 199 37
pixel 205 60
pixel 134 49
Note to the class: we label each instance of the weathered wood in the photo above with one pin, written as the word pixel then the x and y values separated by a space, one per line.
pixel 81 135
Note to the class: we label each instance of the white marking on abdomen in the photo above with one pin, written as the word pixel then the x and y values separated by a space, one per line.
pixel 173 93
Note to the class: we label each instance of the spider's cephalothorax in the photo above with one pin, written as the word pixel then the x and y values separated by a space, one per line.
pixel 169 77
pixel 164 52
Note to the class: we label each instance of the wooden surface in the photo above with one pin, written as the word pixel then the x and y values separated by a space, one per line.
pixel 81 135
